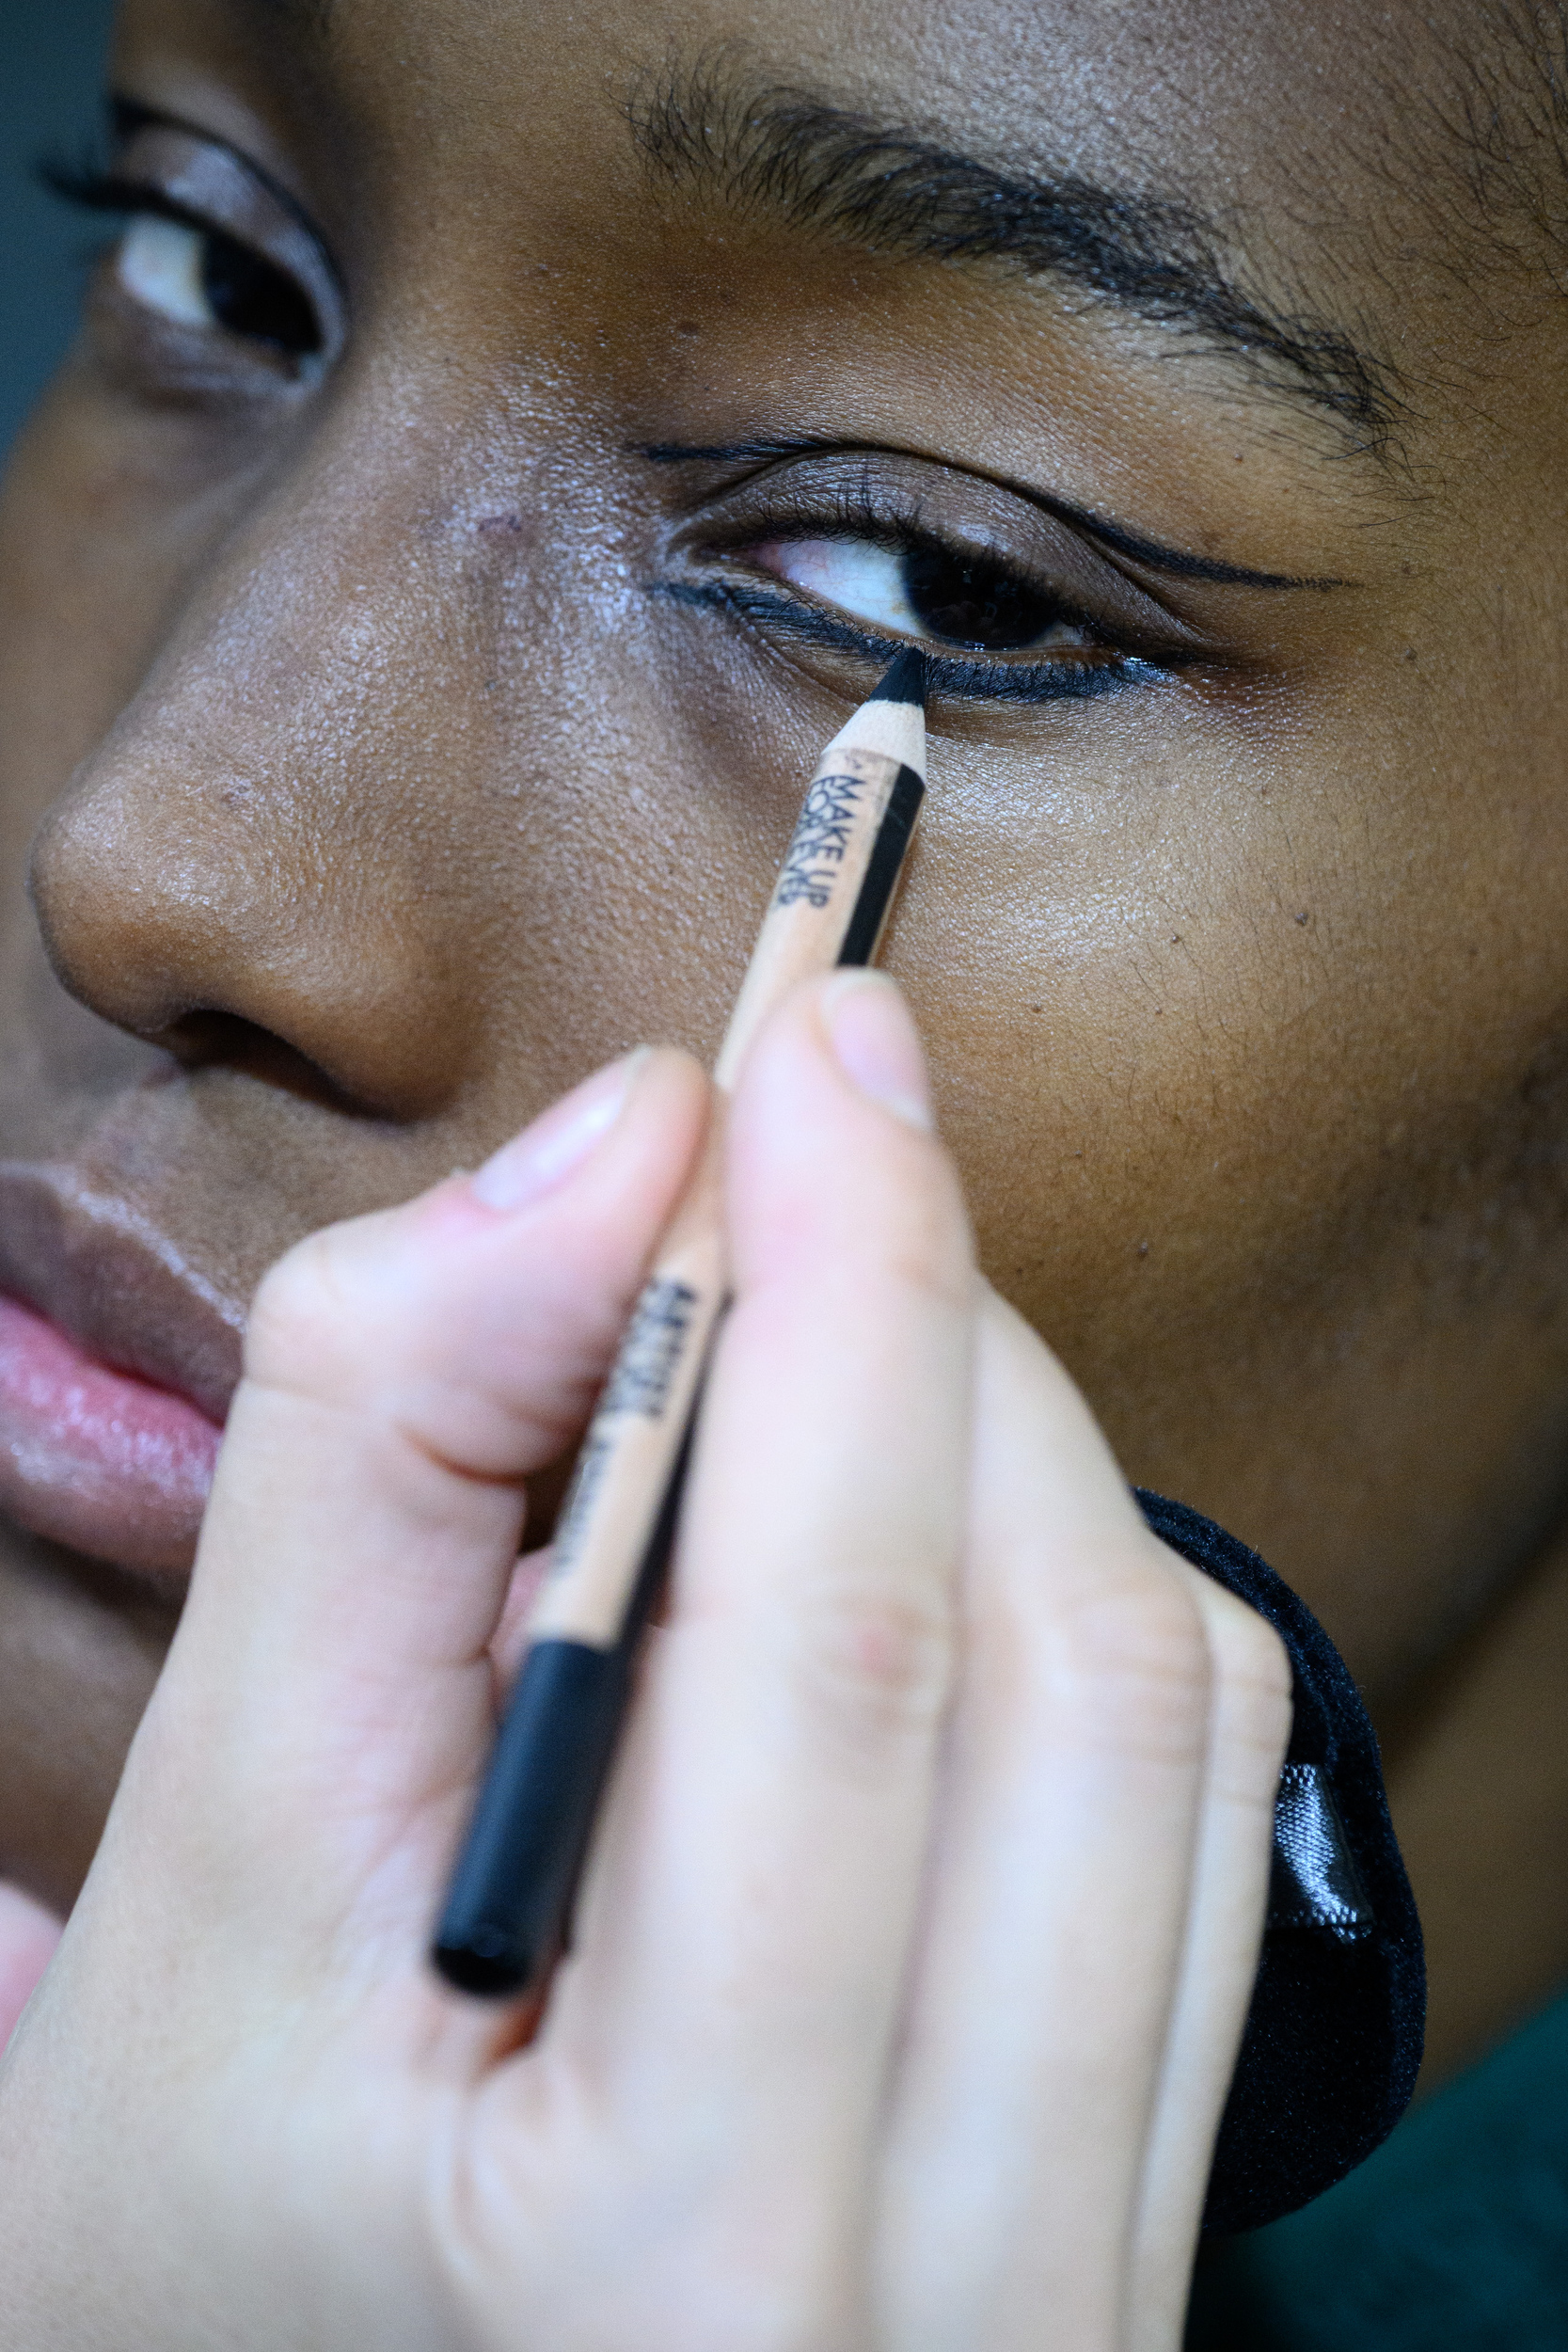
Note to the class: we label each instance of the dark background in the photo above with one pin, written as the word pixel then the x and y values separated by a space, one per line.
pixel 51 78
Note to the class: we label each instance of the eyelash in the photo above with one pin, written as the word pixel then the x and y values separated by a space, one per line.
pixel 948 677
pixel 1059 678
pixel 94 191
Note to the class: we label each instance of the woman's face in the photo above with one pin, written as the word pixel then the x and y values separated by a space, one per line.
pixel 506 445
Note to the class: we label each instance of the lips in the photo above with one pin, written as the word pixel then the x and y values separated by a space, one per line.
pixel 117 1364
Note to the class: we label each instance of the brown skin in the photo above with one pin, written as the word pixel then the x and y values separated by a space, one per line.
pixel 1245 993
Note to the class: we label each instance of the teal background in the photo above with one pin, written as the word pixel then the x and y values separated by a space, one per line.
pixel 1452 2238
pixel 51 78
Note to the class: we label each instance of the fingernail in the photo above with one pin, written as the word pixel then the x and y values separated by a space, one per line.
pixel 875 1044
pixel 544 1154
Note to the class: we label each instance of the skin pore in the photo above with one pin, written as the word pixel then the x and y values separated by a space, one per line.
pixel 408 726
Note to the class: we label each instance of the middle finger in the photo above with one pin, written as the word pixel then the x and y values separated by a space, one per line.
pixel 1059 1888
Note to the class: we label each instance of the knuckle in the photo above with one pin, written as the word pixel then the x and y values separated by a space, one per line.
pixel 872 1670
pixel 301 1318
pixel 929 1246
pixel 1133 1667
pixel 1253 1701
pixel 938 1275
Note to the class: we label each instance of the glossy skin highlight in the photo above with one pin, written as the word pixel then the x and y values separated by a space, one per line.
pixel 375 797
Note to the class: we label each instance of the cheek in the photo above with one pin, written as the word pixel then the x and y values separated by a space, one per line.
pixel 1102 945
pixel 101 534
pixel 89 572
pixel 1212 1123
pixel 1167 965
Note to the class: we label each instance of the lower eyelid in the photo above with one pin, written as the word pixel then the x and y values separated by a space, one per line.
pixel 951 676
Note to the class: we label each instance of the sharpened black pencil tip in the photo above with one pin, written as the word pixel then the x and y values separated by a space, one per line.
pixel 905 682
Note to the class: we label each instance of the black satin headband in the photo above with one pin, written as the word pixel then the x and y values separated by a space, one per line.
pixel 1333 2037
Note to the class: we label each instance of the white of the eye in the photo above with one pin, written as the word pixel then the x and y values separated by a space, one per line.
pixel 865 581
pixel 159 265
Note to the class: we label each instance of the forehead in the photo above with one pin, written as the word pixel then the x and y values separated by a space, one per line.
pixel 1241 99
pixel 1324 210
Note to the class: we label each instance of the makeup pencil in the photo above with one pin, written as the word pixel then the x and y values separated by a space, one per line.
pixel 508 1907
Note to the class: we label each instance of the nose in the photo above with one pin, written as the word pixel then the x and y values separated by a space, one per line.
pixel 253 868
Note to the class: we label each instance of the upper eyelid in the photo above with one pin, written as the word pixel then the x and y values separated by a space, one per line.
pixel 108 192
pixel 1180 562
pixel 890 510
pixel 127 116
pixel 898 532
pixel 1119 609
pixel 902 508
pixel 259 214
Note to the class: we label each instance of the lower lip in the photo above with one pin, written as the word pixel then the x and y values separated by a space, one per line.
pixel 97 1459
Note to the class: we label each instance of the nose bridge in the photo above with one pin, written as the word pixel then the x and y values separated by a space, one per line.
pixel 252 843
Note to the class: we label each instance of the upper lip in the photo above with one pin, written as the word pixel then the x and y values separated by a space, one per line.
pixel 104 1275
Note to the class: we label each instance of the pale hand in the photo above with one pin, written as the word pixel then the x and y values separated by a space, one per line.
pixel 918 1938
pixel 29 1935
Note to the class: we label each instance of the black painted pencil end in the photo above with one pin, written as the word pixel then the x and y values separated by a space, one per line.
pixel 905 681
pixel 489 1976
pixel 507 1910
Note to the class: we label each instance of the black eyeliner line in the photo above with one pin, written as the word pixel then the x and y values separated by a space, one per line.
pixel 947 675
pixel 1149 552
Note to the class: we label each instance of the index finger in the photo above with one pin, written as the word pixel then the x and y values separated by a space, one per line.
pixel 744 1945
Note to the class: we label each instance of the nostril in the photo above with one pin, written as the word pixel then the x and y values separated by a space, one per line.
pixel 205 1040
pixel 240 944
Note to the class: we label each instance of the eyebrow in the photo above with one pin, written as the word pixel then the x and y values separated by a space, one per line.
pixel 818 167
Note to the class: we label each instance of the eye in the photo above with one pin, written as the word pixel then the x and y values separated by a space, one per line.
pixel 856 550
pixel 952 597
pixel 200 278
pixel 211 244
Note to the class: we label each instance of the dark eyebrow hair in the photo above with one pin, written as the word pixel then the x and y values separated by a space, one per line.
pixel 895 190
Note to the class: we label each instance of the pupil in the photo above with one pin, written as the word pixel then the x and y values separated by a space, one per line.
pixel 251 298
pixel 971 602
